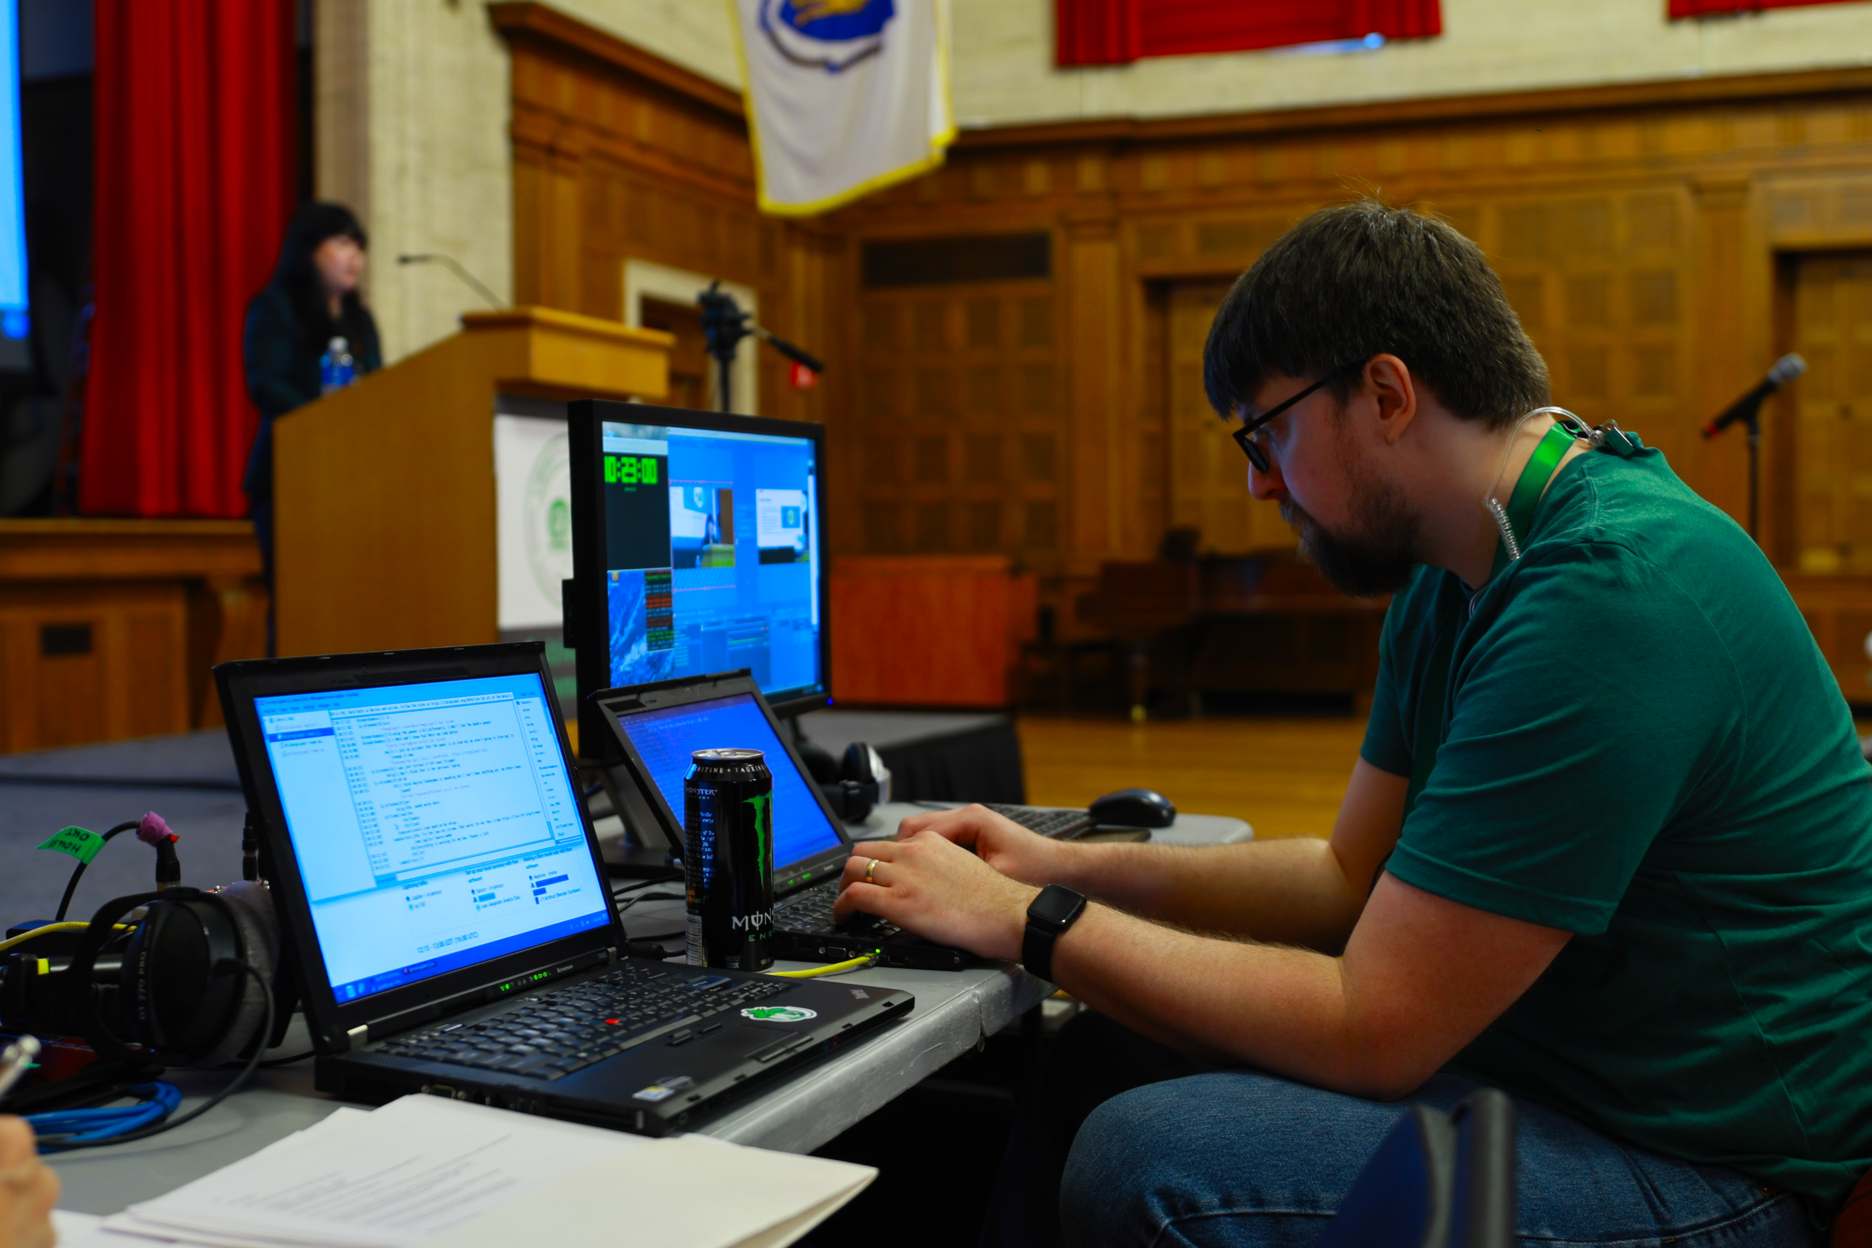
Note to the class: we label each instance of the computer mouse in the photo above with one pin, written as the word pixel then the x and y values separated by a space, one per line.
pixel 1133 808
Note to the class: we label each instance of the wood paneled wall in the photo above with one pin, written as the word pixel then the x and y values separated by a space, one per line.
pixel 109 628
pixel 1638 230
pixel 620 155
pixel 1650 237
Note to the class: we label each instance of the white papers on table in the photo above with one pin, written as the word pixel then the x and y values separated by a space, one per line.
pixel 80 1230
pixel 424 1170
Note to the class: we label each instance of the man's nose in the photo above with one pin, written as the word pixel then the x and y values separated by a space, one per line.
pixel 1267 486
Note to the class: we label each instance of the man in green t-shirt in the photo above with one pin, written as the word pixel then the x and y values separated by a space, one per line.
pixel 1607 846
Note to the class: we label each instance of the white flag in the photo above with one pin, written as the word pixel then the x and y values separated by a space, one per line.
pixel 843 96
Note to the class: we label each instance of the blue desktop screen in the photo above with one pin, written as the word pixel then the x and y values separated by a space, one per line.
pixel 667 738
pixel 711 555
pixel 435 826
pixel 13 318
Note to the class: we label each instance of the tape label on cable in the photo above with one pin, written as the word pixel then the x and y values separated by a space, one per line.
pixel 75 842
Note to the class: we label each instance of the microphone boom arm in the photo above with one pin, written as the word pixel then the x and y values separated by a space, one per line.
pixel 448 262
pixel 797 354
pixel 724 325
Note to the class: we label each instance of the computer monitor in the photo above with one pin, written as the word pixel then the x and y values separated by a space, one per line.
pixel 696 548
pixel 15 325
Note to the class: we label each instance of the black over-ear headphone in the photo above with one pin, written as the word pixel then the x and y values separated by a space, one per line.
pixel 863 782
pixel 178 994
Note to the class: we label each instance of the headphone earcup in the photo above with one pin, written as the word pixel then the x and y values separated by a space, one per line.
pixel 849 800
pixel 176 1003
pixel 865 766
pixel 185 1001
pixel 857 763
pixel 249 906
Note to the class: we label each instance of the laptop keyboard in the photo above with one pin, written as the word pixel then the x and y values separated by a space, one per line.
pixel 809 912
pixel 1055 823
pixel 556 1031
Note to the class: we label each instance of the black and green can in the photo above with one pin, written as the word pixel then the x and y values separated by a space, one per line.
pixel 728 854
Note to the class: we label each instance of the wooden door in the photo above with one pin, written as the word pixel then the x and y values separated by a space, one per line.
pixel 1832 405
pixel 691 370
pixel 1208 475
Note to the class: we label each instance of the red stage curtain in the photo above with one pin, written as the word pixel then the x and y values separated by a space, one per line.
pixel 1110 32
pixel 1704 8
pixel 1096 32
pixel 193 134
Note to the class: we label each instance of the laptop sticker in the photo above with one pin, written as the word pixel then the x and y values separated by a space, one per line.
pixel 779 1014
pixel 663 1089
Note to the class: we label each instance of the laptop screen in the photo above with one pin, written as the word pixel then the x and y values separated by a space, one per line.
pixel 434 824
pixel 666 738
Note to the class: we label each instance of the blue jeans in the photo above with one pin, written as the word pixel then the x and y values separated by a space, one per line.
pixel 1237 1158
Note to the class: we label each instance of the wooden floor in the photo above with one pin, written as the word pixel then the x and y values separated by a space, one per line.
pixel 1284 775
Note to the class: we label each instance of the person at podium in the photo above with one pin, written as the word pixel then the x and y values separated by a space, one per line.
pixel 307 332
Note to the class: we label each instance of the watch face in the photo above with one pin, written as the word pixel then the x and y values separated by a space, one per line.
pixel 1055 905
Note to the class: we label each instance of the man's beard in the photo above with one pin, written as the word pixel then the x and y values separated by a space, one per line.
pixel 1379 560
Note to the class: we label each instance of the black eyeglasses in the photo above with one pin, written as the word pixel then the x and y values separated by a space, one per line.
pixel 1245 436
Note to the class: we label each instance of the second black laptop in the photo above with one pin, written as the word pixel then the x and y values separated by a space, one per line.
pixel 661 725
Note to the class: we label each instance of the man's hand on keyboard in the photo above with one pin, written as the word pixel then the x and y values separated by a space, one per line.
pixel 998 841
pixel 932 886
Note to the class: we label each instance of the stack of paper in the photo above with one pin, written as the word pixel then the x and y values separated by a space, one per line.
pixel 423 1170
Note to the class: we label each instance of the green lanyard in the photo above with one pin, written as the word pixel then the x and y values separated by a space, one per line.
pixel 1432 714
pixel 1541 466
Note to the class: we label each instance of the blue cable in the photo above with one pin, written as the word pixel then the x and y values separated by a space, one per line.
pixel 64 1128
pixel 104 1127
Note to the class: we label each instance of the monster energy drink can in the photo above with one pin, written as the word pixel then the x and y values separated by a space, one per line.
pixel 728 830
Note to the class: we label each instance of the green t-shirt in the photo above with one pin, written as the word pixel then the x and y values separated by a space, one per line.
pixel 1643 746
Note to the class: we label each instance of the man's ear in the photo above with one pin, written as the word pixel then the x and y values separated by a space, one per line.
pixel 1391 383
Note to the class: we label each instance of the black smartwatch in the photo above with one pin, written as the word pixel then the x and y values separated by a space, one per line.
pixel 1052 912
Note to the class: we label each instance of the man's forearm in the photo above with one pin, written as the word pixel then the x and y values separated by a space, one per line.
pixel 1291 892
pixel 1282 1010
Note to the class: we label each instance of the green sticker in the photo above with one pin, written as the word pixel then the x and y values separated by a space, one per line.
pixel 79 843
pixel 779 1014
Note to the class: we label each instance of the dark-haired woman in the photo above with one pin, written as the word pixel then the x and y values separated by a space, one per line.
pixel 311 299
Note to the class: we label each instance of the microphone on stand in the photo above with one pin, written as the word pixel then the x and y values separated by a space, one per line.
pixel 1785 369
pixel 724 325
pixel 448 262
pixel 797 354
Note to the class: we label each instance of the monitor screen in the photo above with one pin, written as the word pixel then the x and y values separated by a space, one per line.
pixel 435 826
pixel 697 549
pixel 666 739
pixel 14 324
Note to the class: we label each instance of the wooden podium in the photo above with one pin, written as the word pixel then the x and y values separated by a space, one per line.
pixel 384 492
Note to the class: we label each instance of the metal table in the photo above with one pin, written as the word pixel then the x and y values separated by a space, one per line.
pixel 955 1011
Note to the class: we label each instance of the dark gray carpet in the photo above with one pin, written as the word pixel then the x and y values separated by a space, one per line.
pixel 189 780
pixel 209 824
pixel 191 760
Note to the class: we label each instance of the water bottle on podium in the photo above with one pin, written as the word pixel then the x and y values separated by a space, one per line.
pixel 336 367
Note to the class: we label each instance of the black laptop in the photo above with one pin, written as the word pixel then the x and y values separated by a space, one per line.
pixel 659 726
pixel 441 892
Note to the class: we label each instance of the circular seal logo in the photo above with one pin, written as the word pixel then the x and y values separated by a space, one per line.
pixel 548 516
pixel 831 35
pixel 779 1014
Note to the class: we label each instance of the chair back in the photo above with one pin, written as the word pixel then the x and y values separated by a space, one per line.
pixel 1436 1181
pixel 1853 1227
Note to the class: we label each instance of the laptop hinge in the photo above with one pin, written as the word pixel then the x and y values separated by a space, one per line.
pixel 785 880
pixel 482 994
pixel 359 1035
